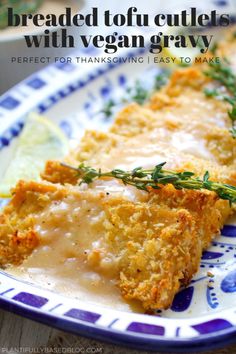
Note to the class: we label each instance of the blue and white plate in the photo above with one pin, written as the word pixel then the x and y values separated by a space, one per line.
pixel 203 315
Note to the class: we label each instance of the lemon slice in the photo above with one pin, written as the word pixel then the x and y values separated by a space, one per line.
pixel 40 140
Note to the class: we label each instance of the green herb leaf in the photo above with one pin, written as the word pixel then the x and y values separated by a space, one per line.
pixel 223 74
pixel 154 178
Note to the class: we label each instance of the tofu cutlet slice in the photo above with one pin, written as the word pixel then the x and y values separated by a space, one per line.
pixel 184 94
pixel 187 85
pixel 184 126
pixel 150 244
pixel 108 151
pixel 183 115
pixel 106 148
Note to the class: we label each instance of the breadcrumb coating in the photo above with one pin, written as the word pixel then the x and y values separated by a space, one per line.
pixel 156 243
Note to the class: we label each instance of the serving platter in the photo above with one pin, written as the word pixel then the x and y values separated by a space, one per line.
pixel 203 315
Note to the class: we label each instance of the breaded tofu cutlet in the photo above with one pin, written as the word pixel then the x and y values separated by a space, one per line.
pixel 117 151
pixel 202 131
pixel 183 105
pixel 148 243
pixel 184 116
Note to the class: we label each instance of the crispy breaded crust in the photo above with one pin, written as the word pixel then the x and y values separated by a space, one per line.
pixel 133 120
pixel 203 205
pixel 189 83
pixel 18 237
pixel 54 172
pixel 148 237
pixel 217 140
pixel 144 237
pixel 96 145
pixel 87 151
pixel 15 243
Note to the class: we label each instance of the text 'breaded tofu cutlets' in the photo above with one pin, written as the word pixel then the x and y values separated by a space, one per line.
pixel 146 245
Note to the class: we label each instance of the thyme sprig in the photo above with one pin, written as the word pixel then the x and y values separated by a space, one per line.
pixel 147 179
pixel 223 74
